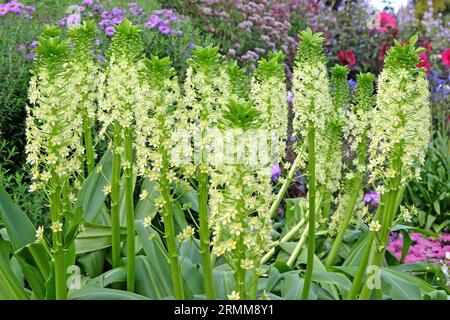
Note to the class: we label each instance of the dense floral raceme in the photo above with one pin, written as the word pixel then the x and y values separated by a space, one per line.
pixel 268 91
pixel 156 120
pixel 84 70
pixel 207 89
pixel 400 129
pixel 119 90
pixel 240 199
pixel 54 126
pixel 311 95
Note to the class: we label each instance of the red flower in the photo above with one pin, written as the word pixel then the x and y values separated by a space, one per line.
pixel 425 63
pixel 385 22
pixel 348 57
pixel 445 56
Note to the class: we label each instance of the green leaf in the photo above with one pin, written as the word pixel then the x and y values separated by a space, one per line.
pixel 91 196
pixel 155 280
pixel 115 275
pixel 149 282
pixel 92 293
pixel 93 262
pixel 436 295
pixel 412 228
pixel 10 286
pixel 224 281
pixel 95 237
pixel 394 284
pixel 355 255
pixel 292 286
pixel 20 229
pixel 406 244
pixel 334 278
pixel 35 263
pixel 146 207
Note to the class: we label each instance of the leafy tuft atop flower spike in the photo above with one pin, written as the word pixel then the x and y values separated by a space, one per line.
pixel 127 41
pixel 241 115
pixel 339 86
pixel 311 48
pixel 404 56
pixel 268 89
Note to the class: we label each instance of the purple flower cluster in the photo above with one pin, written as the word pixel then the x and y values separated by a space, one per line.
pixel 27 49
pixel 162 19
pixel 17 8
pixel 276 172
pixel 372 198
pixel 423 249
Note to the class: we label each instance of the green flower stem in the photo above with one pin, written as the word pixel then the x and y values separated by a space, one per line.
pixel 58 246
pixel 303 235
pixel 354 193
pixel 312 206
pixel 394 201
pixel 359 275
pixel 205 252
pixel 115 191
pixel 169 230
pixel 240 273
pixel 87 133
pixel 254 286
pixel 298 247
pixel 129 209
pixel 342 230
pixel 288 236
pixel 326 205
pixel 284 187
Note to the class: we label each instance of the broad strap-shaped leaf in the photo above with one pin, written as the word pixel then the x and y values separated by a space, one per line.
pixel 20 229
pixel 95 237
pixel 92 293
pixel 10 286
pixel 91 195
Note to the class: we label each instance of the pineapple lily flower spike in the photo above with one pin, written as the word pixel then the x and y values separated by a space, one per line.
pixel 355 131
pixel 83 83
pixel 119 94
pixel 53 145
pixel 157 117
pixel 399 136
pixel 312 107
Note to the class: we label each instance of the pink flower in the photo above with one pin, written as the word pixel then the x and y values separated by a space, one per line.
pixel 347 57
pixel 445 56
pixel 425 63
pixel 385 22
pixel 110 31
pixel 3 10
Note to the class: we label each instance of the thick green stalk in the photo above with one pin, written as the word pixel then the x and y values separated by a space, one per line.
pixel 88 144
pixel 395 198
pixel 115 191
pixel 342 230
pixel 354 193
pixel 169 230
pixel 359 275
pixel 326 206
pixel 205 252
pixel 298 248
pixel 284 187
pixel 129 210
pixel 288 236
pixel 58 246
pixel 312 208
